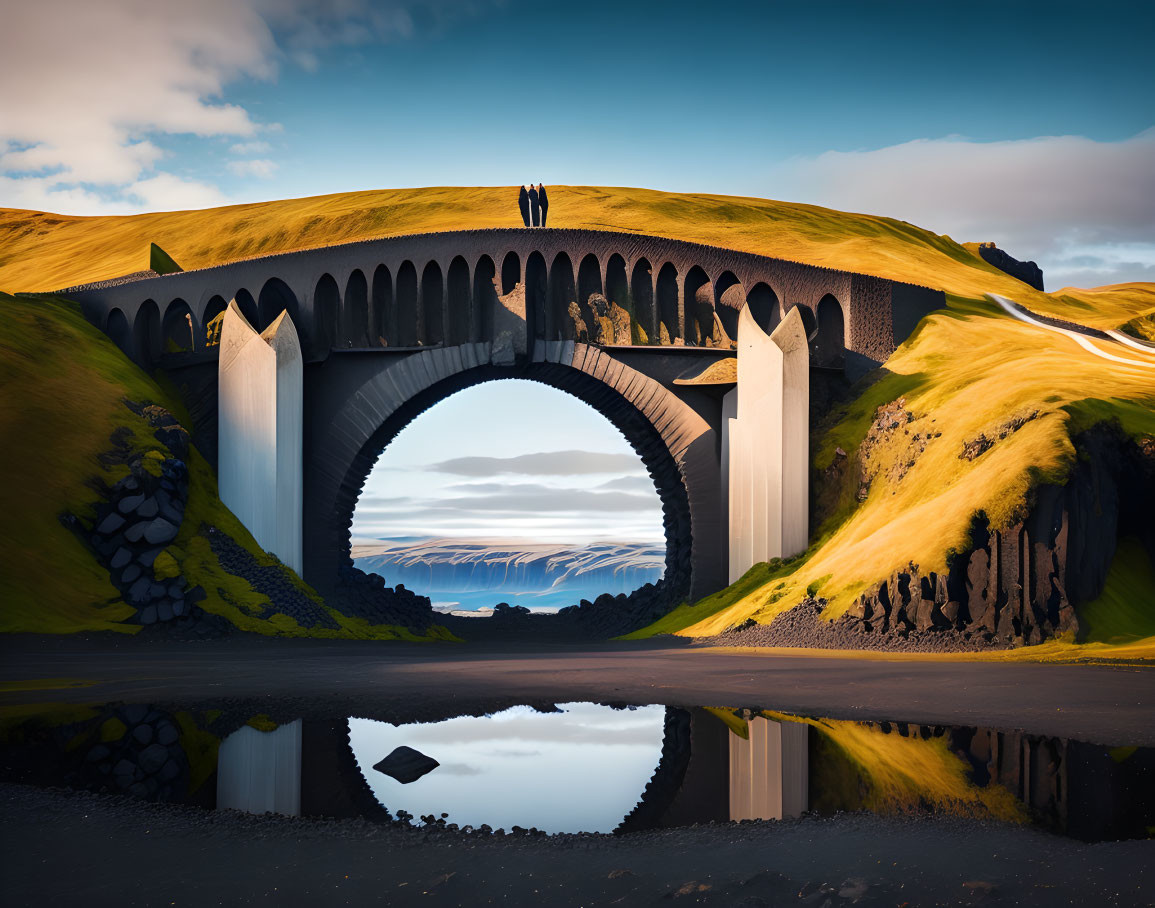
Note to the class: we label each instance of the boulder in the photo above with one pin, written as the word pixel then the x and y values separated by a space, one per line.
pixel 148 508
pixel 122 557
pixel 159 531
pixel 111 524
pixel 129 503
pixel 406 765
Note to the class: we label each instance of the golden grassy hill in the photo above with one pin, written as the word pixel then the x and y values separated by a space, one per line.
pixel 43 252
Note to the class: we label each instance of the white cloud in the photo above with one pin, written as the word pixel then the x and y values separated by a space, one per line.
pixel 261 168
pixel 78 127
pixel 1079 207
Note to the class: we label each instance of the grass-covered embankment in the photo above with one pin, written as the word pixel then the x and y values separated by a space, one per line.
pixel 62 390
pixel 967 371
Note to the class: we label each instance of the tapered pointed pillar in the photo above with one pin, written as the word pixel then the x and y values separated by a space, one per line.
pixel 766 444
pixel 260 431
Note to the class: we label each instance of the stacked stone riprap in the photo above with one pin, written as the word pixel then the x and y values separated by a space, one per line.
pixel 140 516
pixel 272 580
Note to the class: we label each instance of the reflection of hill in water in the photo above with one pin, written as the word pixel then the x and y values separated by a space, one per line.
pixel 474 574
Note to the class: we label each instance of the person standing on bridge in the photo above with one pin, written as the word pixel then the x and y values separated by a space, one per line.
pixel 534 210
pixel 523 204
pixel 543 202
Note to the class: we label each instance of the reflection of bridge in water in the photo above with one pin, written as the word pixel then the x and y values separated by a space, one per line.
pixel 376 332
pixel 756 768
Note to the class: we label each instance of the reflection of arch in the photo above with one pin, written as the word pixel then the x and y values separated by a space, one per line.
pixel 589 279
pixel 214 312
pixel 326 311
pixel 356 310
pixel 432 301
pixel 180 332
pixel 668 303
pixel 642 296
pixel 248 307
pixel 510 272
pixel 146 333
pixel 407 305
pixel 457 290
pixel 729 298
pixel 536 295
pixel 830 346
pixel 116 327
pixel 763 303
pixel 562 292
pixel 699 304
pixel 382 330
pixel 275 298
pixel 484 299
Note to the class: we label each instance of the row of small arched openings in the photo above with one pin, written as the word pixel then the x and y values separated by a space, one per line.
pixel 411 309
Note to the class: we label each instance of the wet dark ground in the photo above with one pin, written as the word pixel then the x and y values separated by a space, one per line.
pixel 1110 704
pixel 80 847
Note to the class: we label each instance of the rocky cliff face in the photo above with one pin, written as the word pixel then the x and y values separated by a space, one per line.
pixel 1022 584
pixel 1027 272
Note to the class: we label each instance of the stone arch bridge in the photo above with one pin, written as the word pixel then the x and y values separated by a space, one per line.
pixel 638 327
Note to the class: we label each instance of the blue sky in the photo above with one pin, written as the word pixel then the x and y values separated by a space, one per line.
pixel 1030 124
pixel 1027 123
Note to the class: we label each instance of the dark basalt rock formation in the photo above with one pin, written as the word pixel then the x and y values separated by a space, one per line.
pixel 1021 584
pixel 1027 272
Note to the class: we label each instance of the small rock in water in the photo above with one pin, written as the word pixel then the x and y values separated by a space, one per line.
pixel 406 765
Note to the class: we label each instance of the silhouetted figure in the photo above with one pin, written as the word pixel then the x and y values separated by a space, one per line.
pixel 534 210
pixel 523 204
pixel 543 201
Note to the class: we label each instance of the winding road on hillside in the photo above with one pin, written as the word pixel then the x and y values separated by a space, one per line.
pixel 1080 334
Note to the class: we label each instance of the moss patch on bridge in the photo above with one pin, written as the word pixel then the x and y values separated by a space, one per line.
pixel 63 390
pixel 42 252
pixel 969 371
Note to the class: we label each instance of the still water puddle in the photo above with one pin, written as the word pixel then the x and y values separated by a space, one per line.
pixel 583 767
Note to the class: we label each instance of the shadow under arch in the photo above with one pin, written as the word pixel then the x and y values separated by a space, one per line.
pixel 329 520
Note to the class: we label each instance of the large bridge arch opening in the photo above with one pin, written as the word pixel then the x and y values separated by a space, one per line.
pixel 764 306
pixel 116 327
pixel 699 298
pixel 666 484
pixel 537 296
pixel 729 298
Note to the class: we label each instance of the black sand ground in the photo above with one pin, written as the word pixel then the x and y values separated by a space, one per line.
pixel 64 849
